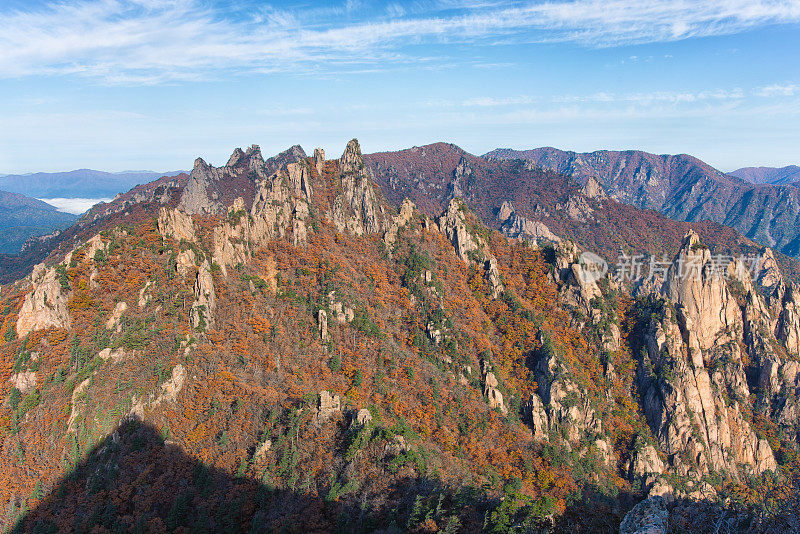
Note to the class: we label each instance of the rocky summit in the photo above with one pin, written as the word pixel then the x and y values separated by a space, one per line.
pixel 411 341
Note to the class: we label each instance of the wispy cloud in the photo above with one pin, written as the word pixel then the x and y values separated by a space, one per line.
pixel 149 41
pixel 685 97
pixel 777 89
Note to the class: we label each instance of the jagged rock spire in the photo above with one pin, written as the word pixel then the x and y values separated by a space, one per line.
pixel 697 285
pixel 351 160
pixel 319 160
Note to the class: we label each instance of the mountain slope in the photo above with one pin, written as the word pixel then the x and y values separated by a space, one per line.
pixel 81 183
pixel 683 188
pixel 22 217
pixel 769 175
pixel 313 359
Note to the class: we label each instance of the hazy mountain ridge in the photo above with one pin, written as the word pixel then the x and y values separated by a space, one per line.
pixel 683 188
pixel 769 175
pixel 83 183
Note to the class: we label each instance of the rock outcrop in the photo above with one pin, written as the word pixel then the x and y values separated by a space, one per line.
pixel 176 224
pixel 592 189
pixel 516 226
pixel 24 381
pixel 469 247
pixel 173 386
pixel 696 397
pixel 231 238
pixel 169 393
pixel 490 384
pixel 403 218
pixel 113 320
pixel 453 224
pixel 46 305
pixel 204 298
pixel 322 319
pixel 319 160
pixel 648 517
pixel 328 405
pixel 282 204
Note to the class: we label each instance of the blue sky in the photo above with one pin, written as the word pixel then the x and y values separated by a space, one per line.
pixel 146 84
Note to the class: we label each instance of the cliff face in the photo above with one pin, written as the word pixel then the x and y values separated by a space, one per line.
pixel 325 350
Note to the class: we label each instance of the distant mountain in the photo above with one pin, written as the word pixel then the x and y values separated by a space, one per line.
pixel 769 175
pixel 683 188
pixel 86 183
pixel 22 217
pixel 433 174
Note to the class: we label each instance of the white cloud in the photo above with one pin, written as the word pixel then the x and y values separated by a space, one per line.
pixel 778 90
pixel 76 206
pixel 136 42
pixel 488 101
pixel 606 97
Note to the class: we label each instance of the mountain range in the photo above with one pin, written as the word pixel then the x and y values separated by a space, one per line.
pixel 683 188
pixel 81 183
pixel 401 341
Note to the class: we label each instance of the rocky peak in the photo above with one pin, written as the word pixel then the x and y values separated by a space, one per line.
pixel 696 284
pixel 351 160
pixel 257 160
pixel 358 208
pixel 235 158
pixel 319 160
pixel 255 151
pixel 195 197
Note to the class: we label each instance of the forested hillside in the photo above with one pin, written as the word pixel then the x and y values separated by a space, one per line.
pixel 307 356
